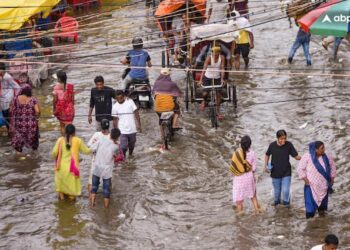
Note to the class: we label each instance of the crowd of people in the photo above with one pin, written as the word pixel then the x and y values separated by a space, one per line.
pixel 117 122
pixel 316 168
pixel 108 146
pixel 20 111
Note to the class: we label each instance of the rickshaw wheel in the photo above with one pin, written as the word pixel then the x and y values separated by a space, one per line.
pixel 186 92
pixel 234 95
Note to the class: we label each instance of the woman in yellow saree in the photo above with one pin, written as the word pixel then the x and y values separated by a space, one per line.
pixel 67 170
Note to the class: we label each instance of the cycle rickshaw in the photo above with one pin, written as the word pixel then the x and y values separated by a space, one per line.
pixel 202 38
pixel 172 18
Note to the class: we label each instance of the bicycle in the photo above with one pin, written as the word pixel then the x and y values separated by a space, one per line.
pixel 166 119
pixel 212 103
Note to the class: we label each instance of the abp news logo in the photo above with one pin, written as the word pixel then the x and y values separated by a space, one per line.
pixel 336 19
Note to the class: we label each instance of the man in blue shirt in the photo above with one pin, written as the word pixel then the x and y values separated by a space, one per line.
pixel 136 58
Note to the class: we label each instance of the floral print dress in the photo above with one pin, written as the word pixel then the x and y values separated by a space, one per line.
pixel 24 125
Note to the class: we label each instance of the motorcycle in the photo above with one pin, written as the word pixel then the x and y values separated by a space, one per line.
pixel 140 92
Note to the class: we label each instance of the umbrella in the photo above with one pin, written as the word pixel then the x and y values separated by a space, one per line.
pixel 14 13
pixel 329 19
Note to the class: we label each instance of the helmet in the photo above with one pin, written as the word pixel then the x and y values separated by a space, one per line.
pixel 137 43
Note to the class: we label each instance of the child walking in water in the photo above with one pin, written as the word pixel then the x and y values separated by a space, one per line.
pixel 95 139
pixel 106 149
pixel 243 166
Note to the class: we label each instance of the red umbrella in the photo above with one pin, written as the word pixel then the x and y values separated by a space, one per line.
pixel 331 18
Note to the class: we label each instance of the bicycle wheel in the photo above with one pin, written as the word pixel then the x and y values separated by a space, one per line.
pixel 234 95
pixel 213 116
pixel 170 133
pixel 187 100
pixel 167 135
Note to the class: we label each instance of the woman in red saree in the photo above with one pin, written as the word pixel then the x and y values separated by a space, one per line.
pixel 63 100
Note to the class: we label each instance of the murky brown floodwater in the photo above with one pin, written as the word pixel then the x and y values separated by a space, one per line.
pixel 181 199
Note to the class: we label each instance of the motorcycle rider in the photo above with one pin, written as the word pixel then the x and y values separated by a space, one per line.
pixel 139 58
pixel 166 93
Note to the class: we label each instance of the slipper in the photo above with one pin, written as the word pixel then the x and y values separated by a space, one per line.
pixel 176 129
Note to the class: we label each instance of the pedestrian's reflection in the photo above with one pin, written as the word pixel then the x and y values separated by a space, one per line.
pixel 69 226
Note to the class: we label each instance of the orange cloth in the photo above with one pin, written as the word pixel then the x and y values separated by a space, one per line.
pixel 169 7
pixel 164 103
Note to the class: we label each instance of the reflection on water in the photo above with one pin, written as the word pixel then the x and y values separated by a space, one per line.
pixel 181 199
pixel 68 228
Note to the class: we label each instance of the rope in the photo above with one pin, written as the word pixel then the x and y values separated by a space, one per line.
pixel 52 31
pixel 299 99
pixel 153 33
pixel 174 14
pixel 119 66
pixel 251 104
pixel 184 45
pixel 158 46
pixel 64 7
pixel 243 89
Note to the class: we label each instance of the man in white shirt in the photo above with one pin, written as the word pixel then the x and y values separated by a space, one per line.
pixel 127 118
pixel 331 243
pixel 216 11
pixel 8 90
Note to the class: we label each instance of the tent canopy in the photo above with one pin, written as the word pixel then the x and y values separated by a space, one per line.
pixel 167 7
pixel 210 32
pixel 14 13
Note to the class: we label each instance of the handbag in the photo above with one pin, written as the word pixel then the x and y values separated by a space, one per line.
pixel 119 157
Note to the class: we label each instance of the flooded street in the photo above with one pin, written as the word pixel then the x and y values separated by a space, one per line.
pixel 182 198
